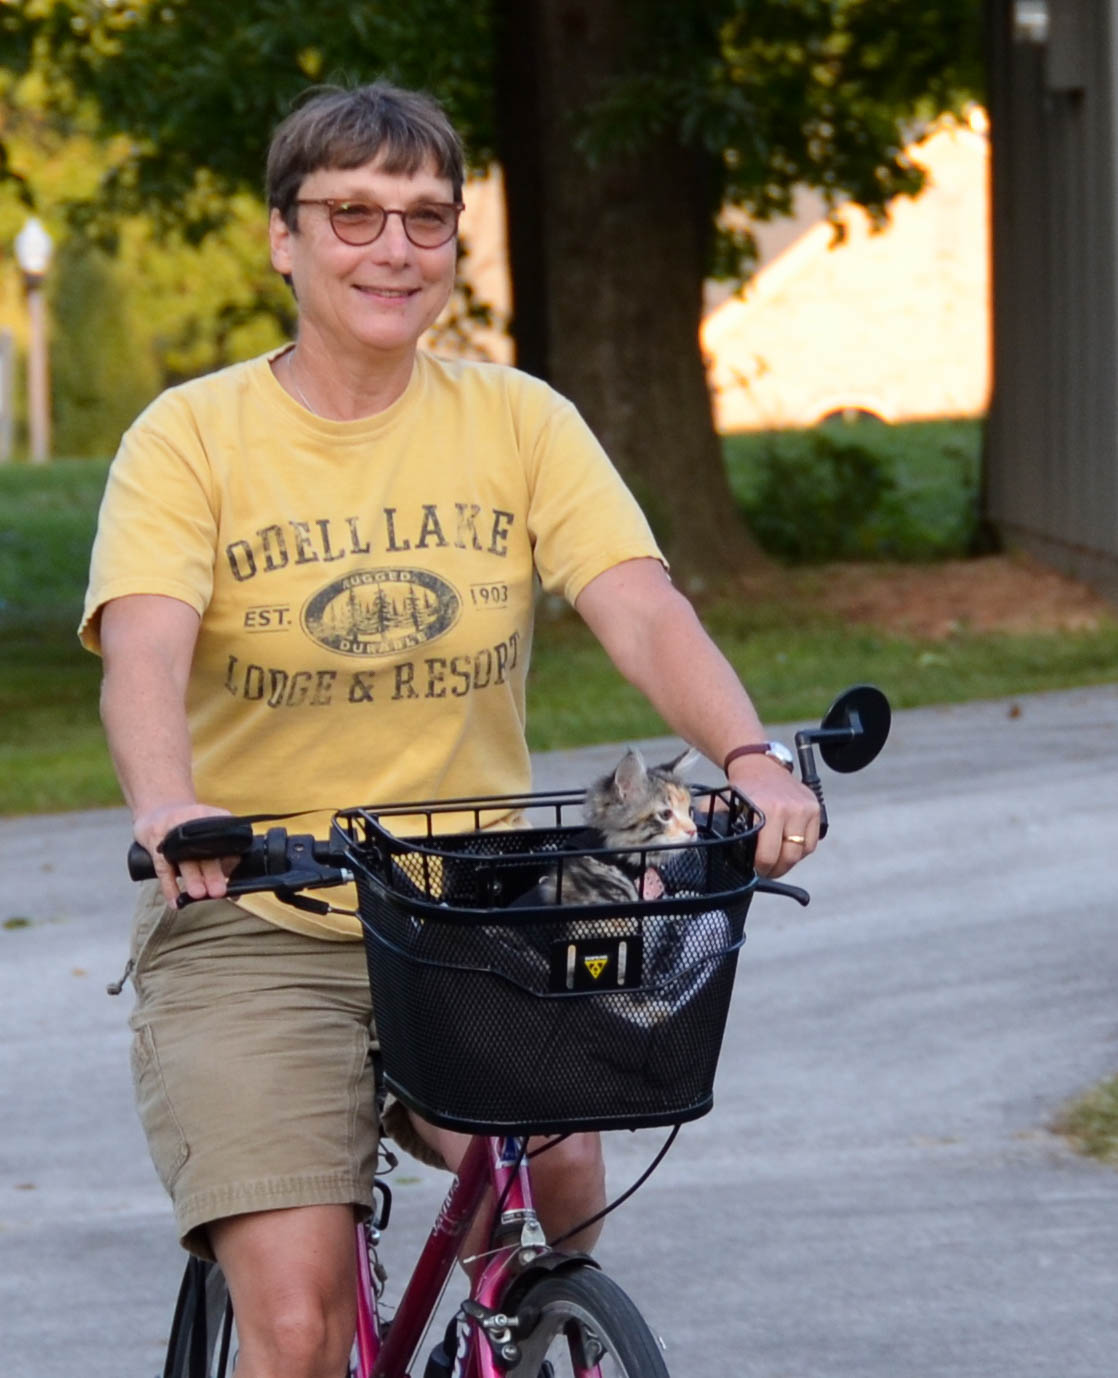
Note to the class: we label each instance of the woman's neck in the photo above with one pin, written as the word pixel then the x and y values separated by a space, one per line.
pixel 342 389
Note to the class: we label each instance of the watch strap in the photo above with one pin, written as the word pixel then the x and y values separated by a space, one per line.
pixel 750 749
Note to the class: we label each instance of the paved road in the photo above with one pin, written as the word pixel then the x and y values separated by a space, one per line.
pixel 878 1192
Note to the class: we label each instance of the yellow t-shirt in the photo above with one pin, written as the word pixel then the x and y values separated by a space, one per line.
pixel 365 587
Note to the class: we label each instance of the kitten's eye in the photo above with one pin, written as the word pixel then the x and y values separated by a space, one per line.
pixel 666 815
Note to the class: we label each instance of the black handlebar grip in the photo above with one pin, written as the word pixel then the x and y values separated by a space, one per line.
pixel 140 866
pixel 817 789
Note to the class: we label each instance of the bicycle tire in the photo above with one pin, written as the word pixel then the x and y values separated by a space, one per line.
pixel 203 1341
pixel 579 1317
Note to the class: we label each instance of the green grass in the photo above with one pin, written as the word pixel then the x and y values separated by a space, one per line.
pixel 1091 1124
pixel 52 755
pixel 47 519
pixel 794 665
pixel 793 657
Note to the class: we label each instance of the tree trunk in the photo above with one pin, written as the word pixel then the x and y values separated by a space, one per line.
pixel 519 140
pixel 625 250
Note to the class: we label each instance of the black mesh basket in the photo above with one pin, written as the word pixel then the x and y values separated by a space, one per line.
pixel 501 1011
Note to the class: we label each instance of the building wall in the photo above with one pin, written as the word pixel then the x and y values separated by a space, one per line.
pixel 892 321
pixel 1052 448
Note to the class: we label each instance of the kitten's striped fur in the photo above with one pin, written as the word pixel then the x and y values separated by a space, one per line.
pixel 635 806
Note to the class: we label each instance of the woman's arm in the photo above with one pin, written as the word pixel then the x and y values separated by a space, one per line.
pixel 651 633
pixel 147 643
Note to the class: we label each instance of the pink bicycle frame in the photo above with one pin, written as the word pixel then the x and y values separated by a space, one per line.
pixel 496 1163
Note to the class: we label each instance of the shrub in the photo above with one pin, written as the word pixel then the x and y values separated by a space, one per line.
pixel 820 504
pixel 860 490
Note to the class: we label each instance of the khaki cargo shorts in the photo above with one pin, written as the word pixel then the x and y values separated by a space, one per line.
pixel 251 1059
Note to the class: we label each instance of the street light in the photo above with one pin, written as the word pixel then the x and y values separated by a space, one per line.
pixel 33 254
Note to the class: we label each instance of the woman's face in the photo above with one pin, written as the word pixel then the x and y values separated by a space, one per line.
pixel 380 296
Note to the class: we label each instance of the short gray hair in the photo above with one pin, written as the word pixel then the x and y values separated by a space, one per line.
pixel 339 128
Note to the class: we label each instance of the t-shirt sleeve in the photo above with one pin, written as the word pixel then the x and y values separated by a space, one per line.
pixel 582 518
pixel 157 527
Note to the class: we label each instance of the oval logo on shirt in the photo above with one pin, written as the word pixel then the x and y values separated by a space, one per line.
pixel 380 612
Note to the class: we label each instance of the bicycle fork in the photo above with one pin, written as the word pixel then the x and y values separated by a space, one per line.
pixel 487 1339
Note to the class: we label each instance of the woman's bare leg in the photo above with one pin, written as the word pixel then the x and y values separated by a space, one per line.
pixel 292 1278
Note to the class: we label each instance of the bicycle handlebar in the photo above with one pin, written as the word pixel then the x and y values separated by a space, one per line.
pixel 277 861
pixel 851 735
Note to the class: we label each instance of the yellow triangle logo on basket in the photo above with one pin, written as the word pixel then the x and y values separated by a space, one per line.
pixel 595 965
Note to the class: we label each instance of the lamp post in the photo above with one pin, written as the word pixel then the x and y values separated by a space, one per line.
pixel 7 392
pixel 33 253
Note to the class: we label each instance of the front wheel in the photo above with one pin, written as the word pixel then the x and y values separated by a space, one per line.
pixel 203 1340
pixel 580 1324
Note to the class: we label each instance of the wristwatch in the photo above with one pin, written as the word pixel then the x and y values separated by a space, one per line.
pixel 776 751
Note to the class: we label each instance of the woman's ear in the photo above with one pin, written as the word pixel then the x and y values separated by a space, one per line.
pixel 279 239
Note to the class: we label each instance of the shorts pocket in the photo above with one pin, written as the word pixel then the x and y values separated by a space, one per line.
pixel 153 917
pixel 166 1140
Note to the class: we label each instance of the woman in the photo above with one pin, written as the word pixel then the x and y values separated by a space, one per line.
pixel 312 586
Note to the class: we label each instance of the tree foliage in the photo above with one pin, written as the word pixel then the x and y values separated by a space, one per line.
pixel 624 128
pixel 138 306
pixel 105 372
pixel 199 84
pixel 775 94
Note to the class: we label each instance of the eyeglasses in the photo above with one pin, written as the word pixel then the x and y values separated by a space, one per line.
pixel 428 224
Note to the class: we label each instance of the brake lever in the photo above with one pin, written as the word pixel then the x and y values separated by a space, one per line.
pixel 321 878
pixel 780 887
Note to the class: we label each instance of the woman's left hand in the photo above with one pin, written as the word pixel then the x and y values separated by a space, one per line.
pixel 791 811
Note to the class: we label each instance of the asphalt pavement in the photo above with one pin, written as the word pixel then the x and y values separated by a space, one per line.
pixel 879 1191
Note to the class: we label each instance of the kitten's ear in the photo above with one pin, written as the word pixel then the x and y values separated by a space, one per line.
pixel 683 762
pixel 629 775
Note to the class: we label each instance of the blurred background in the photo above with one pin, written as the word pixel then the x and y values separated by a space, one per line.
pixel 835 283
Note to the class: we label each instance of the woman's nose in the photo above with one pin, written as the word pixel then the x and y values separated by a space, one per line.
pixel 392 245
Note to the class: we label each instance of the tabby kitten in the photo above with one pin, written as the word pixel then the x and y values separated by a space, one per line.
pixel 635 806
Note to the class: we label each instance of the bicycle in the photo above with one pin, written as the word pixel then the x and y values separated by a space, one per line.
pixel 584 1016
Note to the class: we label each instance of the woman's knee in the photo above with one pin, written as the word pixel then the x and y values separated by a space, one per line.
pixel 292 1281
pixel 300 1329
pixel 300 1332
pixel 574 1161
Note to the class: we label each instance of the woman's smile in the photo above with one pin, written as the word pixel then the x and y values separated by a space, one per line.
pixel 387 293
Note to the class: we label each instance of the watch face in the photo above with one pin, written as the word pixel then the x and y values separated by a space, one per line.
pixel 779 752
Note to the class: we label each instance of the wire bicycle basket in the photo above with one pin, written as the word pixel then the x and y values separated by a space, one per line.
pixel 502 1011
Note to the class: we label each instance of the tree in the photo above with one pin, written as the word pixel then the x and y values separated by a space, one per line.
pixel 623 126
pixel 142 308
pixel 626 126
pixel 102 377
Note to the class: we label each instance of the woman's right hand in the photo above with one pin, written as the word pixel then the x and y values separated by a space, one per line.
pixel 201 880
